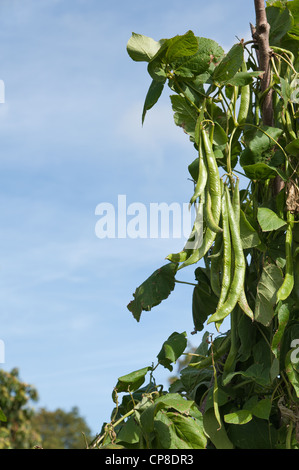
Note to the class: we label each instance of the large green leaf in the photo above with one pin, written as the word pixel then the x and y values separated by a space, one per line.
pixel 185 115
pixel 174 401
pixel 142 48
pixel 204 304
pixel 217 435
pixel 268 285
pixel 269 220
pixel 257 434
pixel 181 46
pixel 132 381
pixel 209 53
pixel 262 408
pixel 169 401
pixel 280 22
pixel 229 65
pixel 293 147
pixel 259 146
pixel 172 349
pixel 256 372
pixel 171 50
pixel 130 432
pixel 249 235
pixel 261 171
pixel 189 431
pixel 243 78
pixel 152 291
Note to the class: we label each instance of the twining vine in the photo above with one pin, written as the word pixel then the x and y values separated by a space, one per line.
pixel 240 111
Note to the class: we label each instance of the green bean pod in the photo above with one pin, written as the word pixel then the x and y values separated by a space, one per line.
pixel 208 214
pixel 243 303
pixel 244 102
pixel 227 255
pixel 202 175
pixel 216 262
pixel 215 191
pixel 237 283
pixel 288 283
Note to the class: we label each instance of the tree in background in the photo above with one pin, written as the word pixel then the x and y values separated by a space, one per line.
pixel 16 430
pixel 22 427
pixel 61 430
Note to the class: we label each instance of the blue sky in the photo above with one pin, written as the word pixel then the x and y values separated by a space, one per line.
pixel 71 138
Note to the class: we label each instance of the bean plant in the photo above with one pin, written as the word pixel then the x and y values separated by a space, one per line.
pixel 239 388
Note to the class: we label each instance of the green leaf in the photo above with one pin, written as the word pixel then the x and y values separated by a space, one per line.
pixel 174 401
pixel 256 434
pixel 280 22
pixel 208 54
pixel 130 432
pixel 219 136
pixel 166 433
pixel 229 65
pixel 185 115
pixel 256 372
pixel 259 159
pixel 293 147
pixel 189 431
pixel 261 172
pixel 193 169
pixel 264 139
pixel 268 285
pixel 142 48
pixel 204 304
pixel 243 78
pixel 153 94
pixel 262 408
pixel 249 235
pixel 285 91
pixel 172 349
pixel 152 291
pixel 132 381
pixel 268 219
pixel 169 401
pixel 238 417
pixel 292 372
pixel 2 416
pixel 181 46
pixel 218 436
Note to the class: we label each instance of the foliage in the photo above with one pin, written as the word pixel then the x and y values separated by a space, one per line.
pixel 241 388
pixel 60 429
pixel 16 430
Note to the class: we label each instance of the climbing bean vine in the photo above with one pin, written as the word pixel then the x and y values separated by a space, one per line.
pixel 240 388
